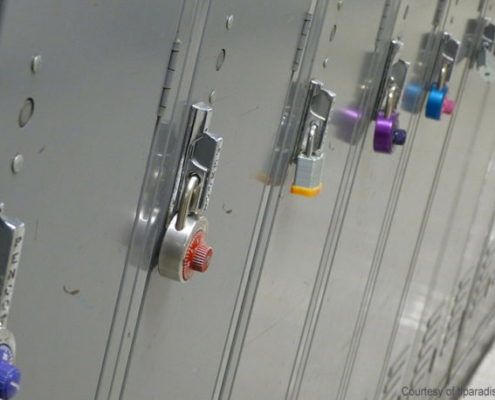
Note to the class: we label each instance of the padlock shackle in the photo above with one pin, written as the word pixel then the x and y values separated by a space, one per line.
pixel 442 79
pixel 188 198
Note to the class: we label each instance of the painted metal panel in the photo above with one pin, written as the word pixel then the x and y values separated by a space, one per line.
pixel 413 292
pixel 289 286
pixel 453 211
pixel 477 259
pixel 371 213
pixel 85 148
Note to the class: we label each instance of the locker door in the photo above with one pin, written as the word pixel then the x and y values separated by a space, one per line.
pixel 244 70
pixel 280 323
pixel 475 328
pixel 425 246
pixel 477 259
pixel 356 262
pixel 461 196
pixel 80 85
pixel 452 211
pixel 371 211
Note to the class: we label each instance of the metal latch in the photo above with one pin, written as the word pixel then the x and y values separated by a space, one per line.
pixel 11 242
pixel 387 132
pixel 184 249
pixel 438 101
pixel 309 155
pixel 485 59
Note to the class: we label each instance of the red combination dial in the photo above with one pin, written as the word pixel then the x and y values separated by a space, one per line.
pixel 198 256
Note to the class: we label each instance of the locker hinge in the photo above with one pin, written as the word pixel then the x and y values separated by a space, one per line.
pixel 303 38
pixel 382 30
pixel 169 76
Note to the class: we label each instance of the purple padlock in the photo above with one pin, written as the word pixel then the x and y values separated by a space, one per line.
pixel 387 133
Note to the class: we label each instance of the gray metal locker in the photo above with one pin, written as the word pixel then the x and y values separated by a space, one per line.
pixel 346 61
pixel 88 77
pixel 118 117
pixel 377 302
pixel 184 329
pixel 360 253
pixel 412 296
pixel 476 260
pixel 459 188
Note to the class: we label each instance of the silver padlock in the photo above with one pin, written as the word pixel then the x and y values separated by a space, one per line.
pixel 309 156
pixel 309 169
pixel 184 249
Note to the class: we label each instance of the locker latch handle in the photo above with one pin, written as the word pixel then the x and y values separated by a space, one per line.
pixel 309 155
pixel 485 58
pixel 184 249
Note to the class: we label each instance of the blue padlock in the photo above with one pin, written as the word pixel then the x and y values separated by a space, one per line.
pixel 439 103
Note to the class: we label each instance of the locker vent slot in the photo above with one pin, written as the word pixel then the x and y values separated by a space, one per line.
pixel 427 350
pixel 391 390
pixel 484 280
pixel 457 311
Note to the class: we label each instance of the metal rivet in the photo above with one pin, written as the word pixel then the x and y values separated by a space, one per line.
pixel 220 59
pixel 213 96
pixel 26 112
pixel 230 21
pixel 17 163
pixel 325 62
pixel 35 63
pixel 339 4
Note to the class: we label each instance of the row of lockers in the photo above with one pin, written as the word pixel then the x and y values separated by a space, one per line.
pixel 335 154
